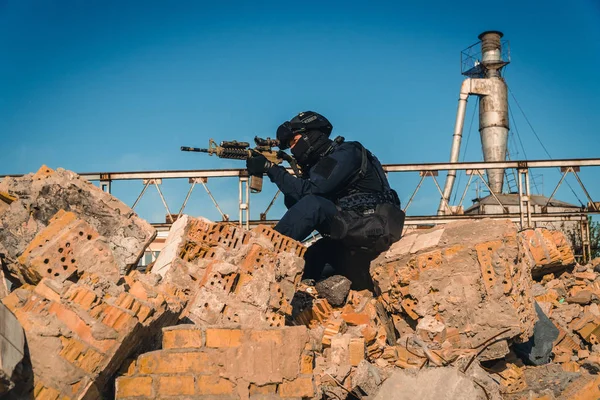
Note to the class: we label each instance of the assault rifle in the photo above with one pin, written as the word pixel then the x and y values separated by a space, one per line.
pixel 242 151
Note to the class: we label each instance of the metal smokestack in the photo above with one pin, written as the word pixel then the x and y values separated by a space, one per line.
pixel 493 108
pixel 485 81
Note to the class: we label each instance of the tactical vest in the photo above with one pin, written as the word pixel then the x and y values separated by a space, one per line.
pixel 368 186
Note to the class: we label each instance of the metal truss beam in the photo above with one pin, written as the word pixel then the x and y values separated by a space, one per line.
pixel 212 173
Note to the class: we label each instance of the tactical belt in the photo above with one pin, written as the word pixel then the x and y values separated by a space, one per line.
pixel 362 202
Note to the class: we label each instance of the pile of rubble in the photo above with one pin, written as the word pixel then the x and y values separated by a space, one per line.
pixel 469 310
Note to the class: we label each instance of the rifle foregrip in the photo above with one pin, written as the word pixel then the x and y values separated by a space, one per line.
pixel 256 183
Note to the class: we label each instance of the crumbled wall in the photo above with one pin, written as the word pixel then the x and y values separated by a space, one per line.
pixel 463 282
pixel 37 198
pixel 242 277
pixel 197 362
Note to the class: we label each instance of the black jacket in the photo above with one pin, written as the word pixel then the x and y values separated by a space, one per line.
pixel 334 176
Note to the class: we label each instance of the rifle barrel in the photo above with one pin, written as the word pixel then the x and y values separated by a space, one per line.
pixel 196 149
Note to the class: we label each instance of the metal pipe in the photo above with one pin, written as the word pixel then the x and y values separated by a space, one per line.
pixel 588 244
pixel 241 201
pixel 491 52
pixel 493 115
pixel 528 197
pixel 493 128
pixel 493 107
pixel 520 189
pixel 247 205
pixel 455 150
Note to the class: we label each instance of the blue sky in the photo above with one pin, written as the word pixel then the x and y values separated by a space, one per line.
pixel 96 86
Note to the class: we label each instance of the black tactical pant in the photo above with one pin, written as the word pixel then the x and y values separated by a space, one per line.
pixel 315 213
pixel 306 215
pixel 328 257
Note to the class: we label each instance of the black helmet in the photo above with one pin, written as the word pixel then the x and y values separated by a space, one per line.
pixel 301 123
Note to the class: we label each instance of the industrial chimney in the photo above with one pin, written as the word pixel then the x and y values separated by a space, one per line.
pixel 485 81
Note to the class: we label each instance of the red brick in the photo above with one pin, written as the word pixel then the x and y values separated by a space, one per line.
pixel 72 349
pixel 138 290
pixel 129 302
pixel 270 388
pixel 353 318
pixel 306 363
pixel 116 318
pixel 77 325
pixel 179 385
pixel 182 339
pixel 136 386
pixel 12 302
pixel 80 355
pixel 210 384
pixel 46 291
pixel 165 362
pixel 82 296
pixel 300 387
pixel 91 361
pixel 356 351
pixel 42 392
pixel 223 337
pixel 274 336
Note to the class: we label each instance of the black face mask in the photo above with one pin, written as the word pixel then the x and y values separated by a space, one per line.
pixel 307 151
pixel 302 150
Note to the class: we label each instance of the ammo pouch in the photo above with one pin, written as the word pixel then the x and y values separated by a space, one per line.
pixel 373 230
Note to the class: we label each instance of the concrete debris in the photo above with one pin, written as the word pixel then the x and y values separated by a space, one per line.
pixel 366 379
pixel 538 349
pixel 457 310
pixel 12 345
pixel 430 384
pixel 334 289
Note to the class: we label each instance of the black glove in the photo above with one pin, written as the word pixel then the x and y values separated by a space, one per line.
pixel 258 164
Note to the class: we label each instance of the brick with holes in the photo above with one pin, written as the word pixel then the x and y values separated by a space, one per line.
pixel 38 199
pixel 239 277
pixel 472 276
pixel 67 246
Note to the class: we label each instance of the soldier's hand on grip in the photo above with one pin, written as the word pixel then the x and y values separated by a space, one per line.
pixel 257 164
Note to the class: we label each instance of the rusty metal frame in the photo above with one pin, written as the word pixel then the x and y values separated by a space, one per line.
pixel 423 174
pixel 156 182
pixel 565 171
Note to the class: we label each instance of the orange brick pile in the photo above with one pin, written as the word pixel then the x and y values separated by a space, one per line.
pixel 80 333
pixel 570 299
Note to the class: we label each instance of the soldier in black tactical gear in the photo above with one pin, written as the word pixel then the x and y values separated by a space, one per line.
pixel 343 194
